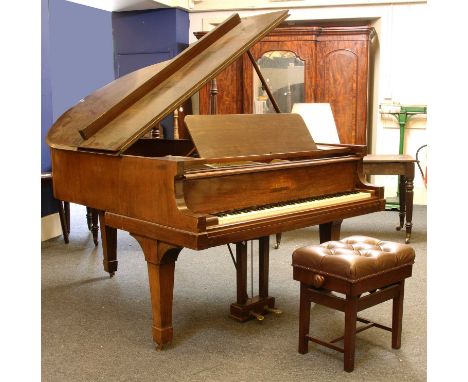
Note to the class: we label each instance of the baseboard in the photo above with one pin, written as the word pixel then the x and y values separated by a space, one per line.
pixel 50 227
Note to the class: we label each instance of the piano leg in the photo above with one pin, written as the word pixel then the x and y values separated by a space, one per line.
pixel 278 240
pixel 160 258
pixel 246 308
pixel 88 217
pixel 109 245
pixel 94 225
pixel 330 231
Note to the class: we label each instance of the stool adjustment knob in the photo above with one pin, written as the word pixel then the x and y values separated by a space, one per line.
pixel 318 281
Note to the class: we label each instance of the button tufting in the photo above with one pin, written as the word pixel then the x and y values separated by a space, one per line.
pixel 354 257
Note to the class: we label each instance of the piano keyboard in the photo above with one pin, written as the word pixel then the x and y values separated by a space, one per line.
pixel 299 205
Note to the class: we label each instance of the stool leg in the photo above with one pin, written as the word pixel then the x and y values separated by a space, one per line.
pixel 350 332
pixel 304 321
pixel 397 317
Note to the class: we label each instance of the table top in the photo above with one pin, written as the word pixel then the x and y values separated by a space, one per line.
pixel 388 158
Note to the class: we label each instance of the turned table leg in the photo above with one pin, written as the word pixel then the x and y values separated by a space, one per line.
pixel 409 194
pixel 409 208
pixel 402 200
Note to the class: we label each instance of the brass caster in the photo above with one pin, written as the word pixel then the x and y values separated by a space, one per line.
pixel 276 246
pixel 399 228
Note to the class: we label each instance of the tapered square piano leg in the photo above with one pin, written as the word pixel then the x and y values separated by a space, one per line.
pixel 161 258
pixel 109 245
pixel 330 231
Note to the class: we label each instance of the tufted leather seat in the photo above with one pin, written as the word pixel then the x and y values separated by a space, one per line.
pixel 366 270
pixel 353 258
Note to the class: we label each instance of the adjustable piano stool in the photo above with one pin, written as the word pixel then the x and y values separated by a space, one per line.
pixel 366 270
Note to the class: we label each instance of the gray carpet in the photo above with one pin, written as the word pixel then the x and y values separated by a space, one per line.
pixel 99 328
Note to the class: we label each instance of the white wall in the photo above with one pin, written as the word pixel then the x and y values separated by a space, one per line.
pixel 400 67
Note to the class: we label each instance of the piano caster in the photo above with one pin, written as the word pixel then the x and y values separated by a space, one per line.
pixel 258 316
pixel 398 228
pixel 408 237
pixel 273 310
pixel 111 274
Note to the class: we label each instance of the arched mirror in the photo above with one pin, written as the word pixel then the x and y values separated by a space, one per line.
pixel 284 73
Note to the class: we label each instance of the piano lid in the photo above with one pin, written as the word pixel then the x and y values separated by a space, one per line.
pixel 235 135
pixel 112 118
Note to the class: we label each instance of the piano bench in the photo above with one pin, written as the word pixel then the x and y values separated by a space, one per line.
pixel 366 271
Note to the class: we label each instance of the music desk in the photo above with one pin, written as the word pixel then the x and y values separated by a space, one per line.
pixel 402 165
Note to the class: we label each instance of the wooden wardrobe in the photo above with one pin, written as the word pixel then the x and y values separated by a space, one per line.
pixel 336 65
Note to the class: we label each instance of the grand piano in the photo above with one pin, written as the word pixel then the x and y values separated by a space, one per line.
pixel 238 177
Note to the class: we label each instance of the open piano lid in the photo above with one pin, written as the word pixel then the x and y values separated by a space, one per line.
pixel 112 118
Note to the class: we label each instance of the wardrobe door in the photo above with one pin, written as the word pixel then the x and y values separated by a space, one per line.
pixel 342 81
pixel 228 92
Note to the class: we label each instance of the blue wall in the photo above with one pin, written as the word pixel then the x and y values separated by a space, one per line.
pixel 46 92
pixel 77 58
pixel 81 52
pixel 81 47
pixel 143 38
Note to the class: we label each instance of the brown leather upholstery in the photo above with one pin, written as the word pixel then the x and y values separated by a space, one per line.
pixel 353 258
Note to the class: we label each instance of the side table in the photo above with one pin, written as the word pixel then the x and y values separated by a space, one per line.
pixel 402 165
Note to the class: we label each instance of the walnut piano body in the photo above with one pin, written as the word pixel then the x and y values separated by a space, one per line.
pixel 255 175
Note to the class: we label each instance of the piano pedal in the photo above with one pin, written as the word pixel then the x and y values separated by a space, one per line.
pixel 273 310
pixel 258 316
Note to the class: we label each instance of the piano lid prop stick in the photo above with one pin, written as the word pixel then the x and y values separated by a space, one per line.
pixel 264 84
